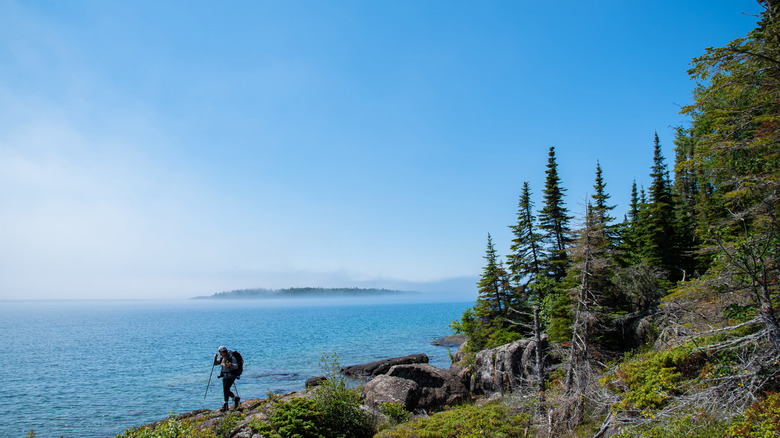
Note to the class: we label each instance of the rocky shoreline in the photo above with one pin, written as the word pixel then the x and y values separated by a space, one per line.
pixel 409 381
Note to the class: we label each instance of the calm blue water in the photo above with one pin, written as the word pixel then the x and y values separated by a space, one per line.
pixel 95 368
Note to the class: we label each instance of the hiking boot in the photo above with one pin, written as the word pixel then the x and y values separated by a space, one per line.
pixel 224 408
pixel 236 401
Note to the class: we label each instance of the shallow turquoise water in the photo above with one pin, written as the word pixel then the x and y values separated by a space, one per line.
pixel 95 368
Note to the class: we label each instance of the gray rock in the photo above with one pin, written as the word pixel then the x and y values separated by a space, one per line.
pixel 459 368
pixel 385 388
pixel 439 387
pixel 462 373
pixel 500 369
pixel 373 369
pixel 529 357
pixel 450 341
pixel 460 353
pixel 311 382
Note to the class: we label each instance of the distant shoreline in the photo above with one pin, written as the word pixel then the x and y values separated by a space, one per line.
pixel 304 292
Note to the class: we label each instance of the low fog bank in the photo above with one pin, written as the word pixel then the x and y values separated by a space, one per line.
pixel 454 290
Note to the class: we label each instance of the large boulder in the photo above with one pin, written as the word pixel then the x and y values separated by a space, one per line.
pixel 439 388
pixel 529 358
pixel 459 368
pixel 505 368
pixel 386 388
pixel 373 369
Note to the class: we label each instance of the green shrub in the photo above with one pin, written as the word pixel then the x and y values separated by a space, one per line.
pixel 299 418
pixel 334 411
pixel 170 428
pixel 396 412
pixel 557 312
pixel 653 378
pixel 463 422
pixel 228 422
pixel 485 333
pixel 691 426
pixel 340 403
pixel 762 420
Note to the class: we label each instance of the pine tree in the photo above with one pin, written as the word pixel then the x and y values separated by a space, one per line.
pixel 554 222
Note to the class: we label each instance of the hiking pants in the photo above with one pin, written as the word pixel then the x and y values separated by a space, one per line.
pixel 227 382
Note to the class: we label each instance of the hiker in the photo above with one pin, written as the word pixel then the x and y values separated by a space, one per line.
pixel 228 375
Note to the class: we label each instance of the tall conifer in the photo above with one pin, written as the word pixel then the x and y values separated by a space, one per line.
pixel 600 197
pixel 738 116
pixel 554 222
pixel 525 258
pixel 492 286
pixel 628 246
pixel 658 235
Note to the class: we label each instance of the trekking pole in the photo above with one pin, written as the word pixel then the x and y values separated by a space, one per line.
pixel 236 388
pixel 209 384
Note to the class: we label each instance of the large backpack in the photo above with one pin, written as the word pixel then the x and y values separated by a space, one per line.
pixel 240 362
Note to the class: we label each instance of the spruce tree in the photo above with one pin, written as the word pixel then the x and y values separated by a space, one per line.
pixel 633 212
pixel 554 222
pixel 525 258
pixel 737 119
pixel 686 193
pixel 658 238
pixel 600 197
pixel 492 288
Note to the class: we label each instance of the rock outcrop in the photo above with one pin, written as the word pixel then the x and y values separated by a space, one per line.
pixel 450 341
pixel 438 387
pixel 411 382
pixel 373 369
pixel 503 369
pixel 458 368
pixel 311 382
pixel 386 388
pixel 252 410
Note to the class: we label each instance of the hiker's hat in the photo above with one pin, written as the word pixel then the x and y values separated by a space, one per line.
pixel 223 348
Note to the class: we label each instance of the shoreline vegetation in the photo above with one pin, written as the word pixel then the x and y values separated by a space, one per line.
pixel 305 292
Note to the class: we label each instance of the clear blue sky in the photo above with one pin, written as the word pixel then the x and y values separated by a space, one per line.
pixel 171 149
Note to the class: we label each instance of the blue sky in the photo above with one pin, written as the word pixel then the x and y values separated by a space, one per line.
pixel 173 149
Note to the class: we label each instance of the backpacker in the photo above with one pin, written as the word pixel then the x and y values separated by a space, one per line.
pixel 240 362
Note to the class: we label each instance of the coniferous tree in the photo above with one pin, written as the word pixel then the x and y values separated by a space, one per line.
pixel 686 180
pixel 736 118
pixel 487 324
pixel 633 212
pixel 657 232
pixel 601 208
pixel 492 286
pixel 628 247
pixel 686 189
pixel 554 222
pixel 525 258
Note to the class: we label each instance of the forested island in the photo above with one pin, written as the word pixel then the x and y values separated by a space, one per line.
pixel 304 292
pixel 660 324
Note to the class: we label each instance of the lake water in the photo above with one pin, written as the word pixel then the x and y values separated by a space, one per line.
pixel 95 368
